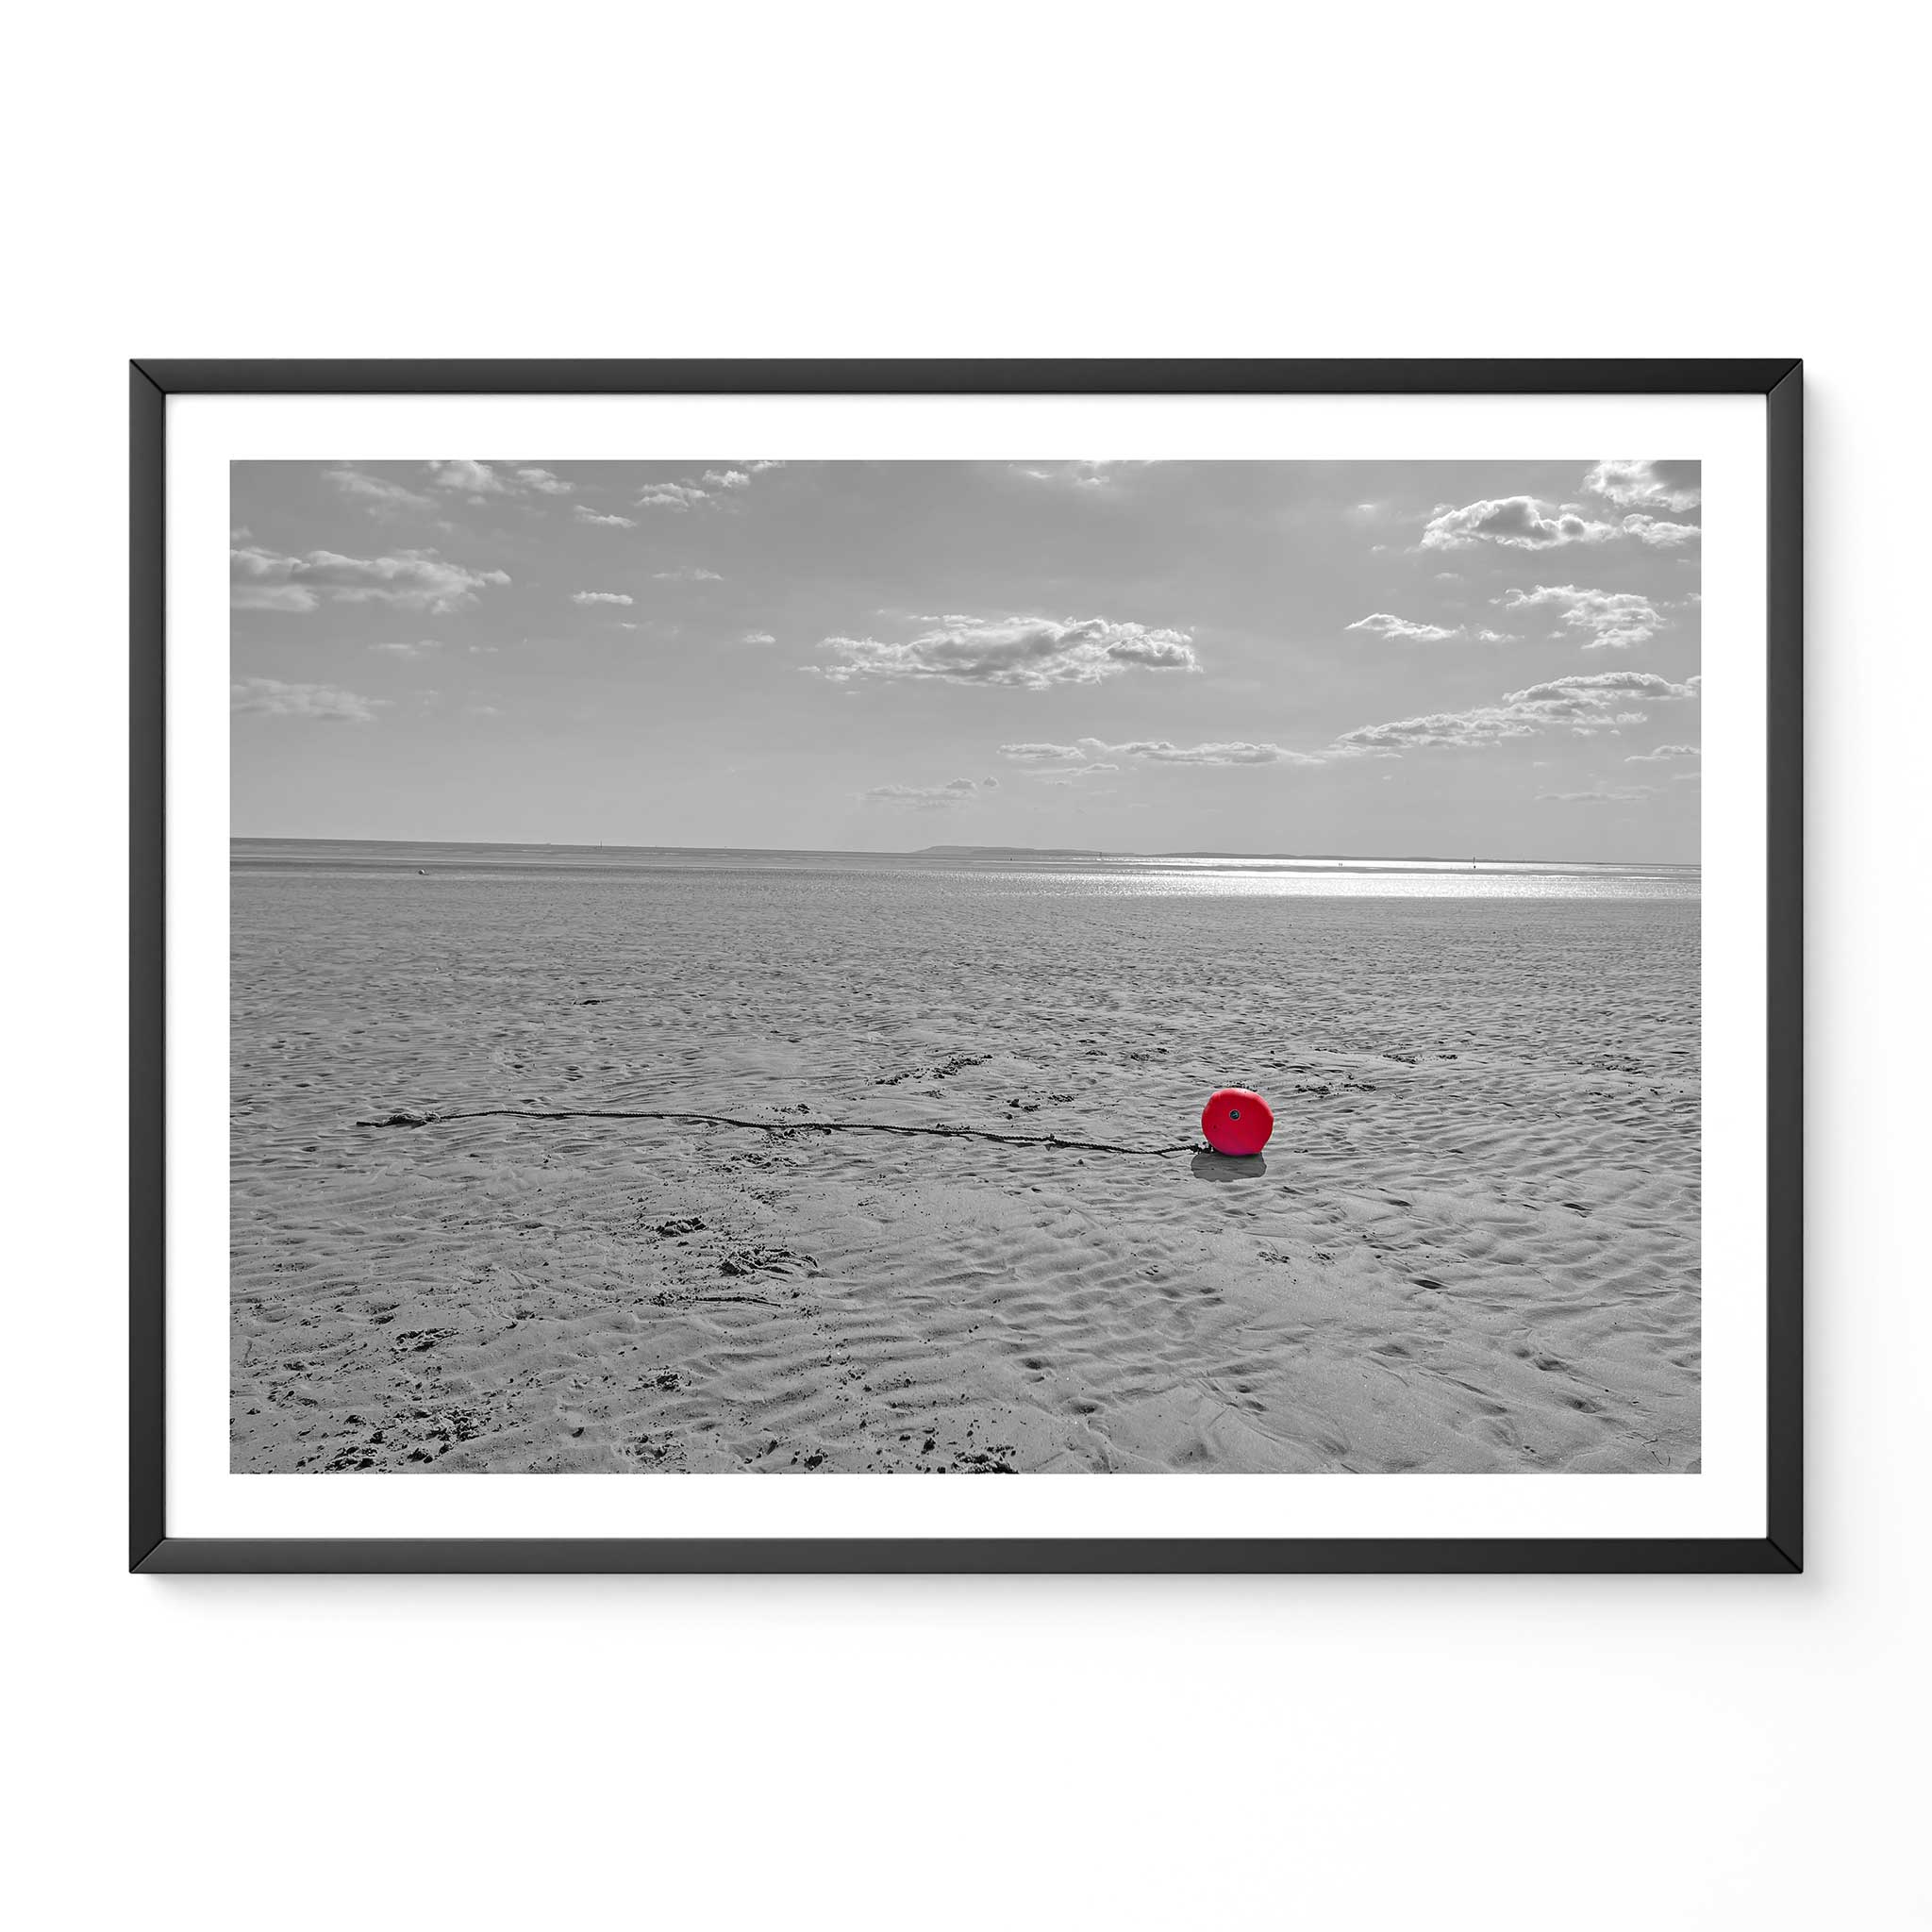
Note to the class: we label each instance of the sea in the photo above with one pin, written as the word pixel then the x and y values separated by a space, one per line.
pixel 989 870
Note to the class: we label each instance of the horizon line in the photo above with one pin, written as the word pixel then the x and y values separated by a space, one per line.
pixel 923 851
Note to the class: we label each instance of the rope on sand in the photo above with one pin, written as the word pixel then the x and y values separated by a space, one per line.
pixel 403 1119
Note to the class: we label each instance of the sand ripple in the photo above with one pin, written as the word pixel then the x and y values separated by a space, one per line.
pixel 1471 1245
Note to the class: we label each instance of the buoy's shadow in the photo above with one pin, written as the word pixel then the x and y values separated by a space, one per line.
pixel 1207 1166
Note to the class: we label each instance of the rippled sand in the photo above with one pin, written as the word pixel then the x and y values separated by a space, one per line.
pixel 1471 1245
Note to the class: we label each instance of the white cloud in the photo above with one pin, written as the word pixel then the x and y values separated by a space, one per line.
pixel 601 597
pixel 410 650
pixel 1233 752
pixel 1650 484
pixel 409 580
pixel 1074 775
pixel 608 520
pixel 758 636
pixel 709 487
pixel 929 797
pixel 1037 753
pixel 669 496
pixel 273 698
pixel 468 477
pixel 380 496
pixel 1079 475
pixel 1586 705
pixel 1069 761
pixel 1609 620
pixel 1484 725
pixel 1602 686
pixel 1401 630
pixel 1664 754
pixel 1522 522
pixel 465 476
pixel 1518 522
pixel 1658 534
pixel 688 573
pixel 1614 794
pixel 1031 652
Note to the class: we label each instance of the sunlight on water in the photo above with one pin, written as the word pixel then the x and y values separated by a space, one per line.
pixel 1235 882
pixel 1048 875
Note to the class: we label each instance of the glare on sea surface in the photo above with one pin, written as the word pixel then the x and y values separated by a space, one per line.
pixel 1369 879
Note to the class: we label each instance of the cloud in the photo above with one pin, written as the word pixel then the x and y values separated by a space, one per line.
pixel 1030 652
pixel 251 589
pixel 1401 630
pixel 928 797
pixel 1586 705
pixel 271 698
pixel 409 580
pixel 1603 686
pixel 471 478
pixel 1611 795
pixel 1519 523
pixel 410 650
pixel 609 519
pixel 381 497
pixel 671 496
pixel 1233 752
pixel 477 482
pixel 688 573
pixel 1096 754
pixel 1075 774
pixel 1664 754
pixel 1650 485
pixel 1078 475
pixel 712 486
pixel 1484 725
pixel 601 597
pixel 758 636
pixel 1522 522
pixel 1658 534
pixel 1609 620
pixel 1036 753
pixel 1059 764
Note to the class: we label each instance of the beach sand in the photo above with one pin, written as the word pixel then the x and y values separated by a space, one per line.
pixel 1471 1245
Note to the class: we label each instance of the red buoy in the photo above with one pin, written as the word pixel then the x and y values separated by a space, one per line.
pixel 1237 1122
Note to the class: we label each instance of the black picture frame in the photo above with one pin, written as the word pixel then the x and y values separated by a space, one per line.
pixel 1779 380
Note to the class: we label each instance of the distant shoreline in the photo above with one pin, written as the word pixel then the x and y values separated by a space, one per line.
pixel 1058 851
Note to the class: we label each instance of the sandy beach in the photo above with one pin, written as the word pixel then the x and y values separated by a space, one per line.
pixel 1471 1245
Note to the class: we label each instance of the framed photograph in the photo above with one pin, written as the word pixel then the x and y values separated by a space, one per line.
pixel 714 944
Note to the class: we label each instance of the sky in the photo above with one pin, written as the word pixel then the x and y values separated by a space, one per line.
pixel 1448 659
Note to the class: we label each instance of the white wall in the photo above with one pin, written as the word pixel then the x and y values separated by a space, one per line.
pixel 399 179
